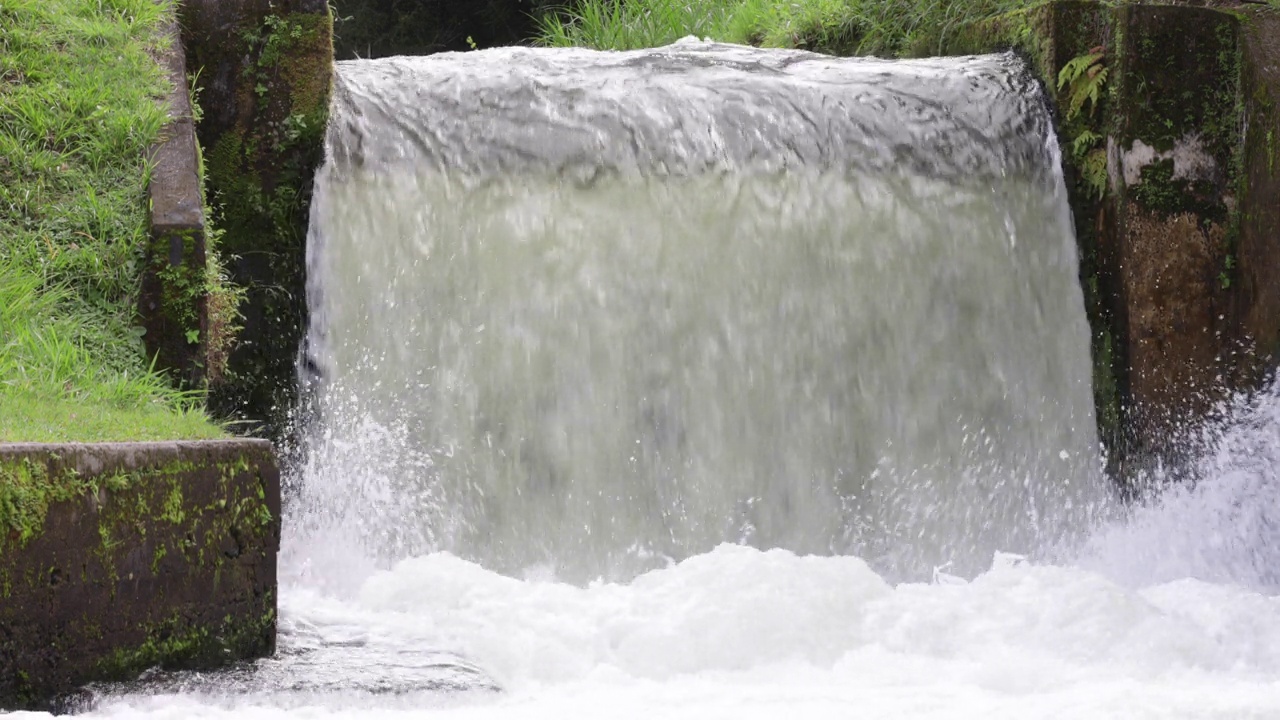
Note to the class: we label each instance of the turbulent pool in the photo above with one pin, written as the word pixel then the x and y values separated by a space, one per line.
pixel 717 382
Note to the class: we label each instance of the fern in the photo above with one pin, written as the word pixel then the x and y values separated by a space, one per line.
pixel 1094 171
pixel 1083 143
pixel 1084 77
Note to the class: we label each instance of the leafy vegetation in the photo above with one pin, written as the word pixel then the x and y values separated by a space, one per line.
pixel 890 28
pixel 80 103
pixel 864 27
pixel 1083 78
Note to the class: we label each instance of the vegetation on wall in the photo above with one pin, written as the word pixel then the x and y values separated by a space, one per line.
pixel 263 136
pixel 1082 82
pixel 80 104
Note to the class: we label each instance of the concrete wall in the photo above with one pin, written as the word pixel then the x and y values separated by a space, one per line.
pixel 119 557
pixel 265 74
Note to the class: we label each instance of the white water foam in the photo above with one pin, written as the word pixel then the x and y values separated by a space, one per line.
pixel 740 633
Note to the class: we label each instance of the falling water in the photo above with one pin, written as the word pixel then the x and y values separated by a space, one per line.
pixel 589 314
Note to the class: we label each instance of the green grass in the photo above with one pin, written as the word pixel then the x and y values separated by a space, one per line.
pixel 81 101
pixel 888 28
pixel 864 27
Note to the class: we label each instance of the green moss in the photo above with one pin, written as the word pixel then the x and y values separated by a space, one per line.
pixel 1191 92
pixel 1161 192
pixel 260 170
pixel 28 489
pixel 173 505
pixel 26 492
pixel 174 643
pixel 25 693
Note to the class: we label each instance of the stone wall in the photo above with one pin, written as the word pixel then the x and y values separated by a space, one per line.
pixel 115 558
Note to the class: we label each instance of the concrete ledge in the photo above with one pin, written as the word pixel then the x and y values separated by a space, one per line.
pixel 174 303
pixel 118 557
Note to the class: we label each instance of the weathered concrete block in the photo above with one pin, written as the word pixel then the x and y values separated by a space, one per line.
pixel 266 69
pixel 1173 136
pixel 119 557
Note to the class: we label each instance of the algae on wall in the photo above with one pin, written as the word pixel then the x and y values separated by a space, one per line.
pixel 265 69
pixel 118 558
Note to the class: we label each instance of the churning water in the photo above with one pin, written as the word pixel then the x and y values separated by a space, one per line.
pixel 717 382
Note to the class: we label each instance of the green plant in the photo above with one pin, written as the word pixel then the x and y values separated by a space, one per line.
pixel 1084 77
pixel 863 27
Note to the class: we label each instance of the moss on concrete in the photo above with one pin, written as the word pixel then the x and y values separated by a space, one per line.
pixel 174 644
pixel 266 71
pixel 135 555
pixel 26 491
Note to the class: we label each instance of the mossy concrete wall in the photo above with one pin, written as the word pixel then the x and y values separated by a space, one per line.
pixel 265 71
pixel 1170 190
pixel 1255 304
pixel 115 558
pixel 173 303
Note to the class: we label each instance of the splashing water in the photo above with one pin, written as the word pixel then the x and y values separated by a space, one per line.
pixel 707 382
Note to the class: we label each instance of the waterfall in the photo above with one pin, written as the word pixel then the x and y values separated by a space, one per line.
pixel 585 314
